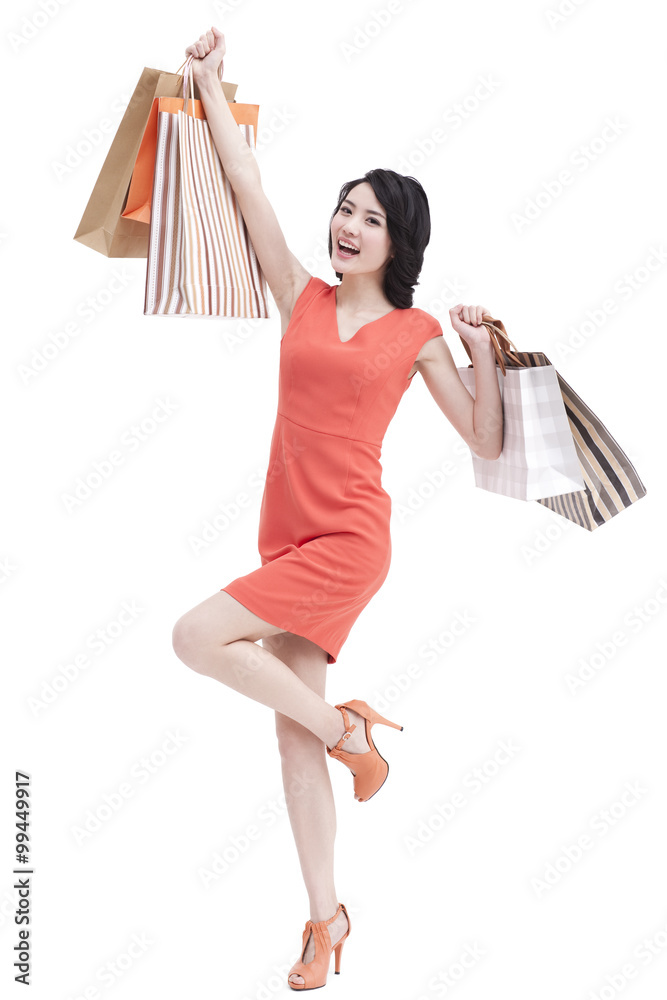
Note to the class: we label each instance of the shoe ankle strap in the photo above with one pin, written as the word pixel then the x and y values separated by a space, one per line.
pixel 324 923
pixel 348 728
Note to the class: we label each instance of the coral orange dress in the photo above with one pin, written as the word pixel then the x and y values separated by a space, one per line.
pixel 324 538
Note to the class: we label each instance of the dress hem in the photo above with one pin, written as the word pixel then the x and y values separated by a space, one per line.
pixel 331 657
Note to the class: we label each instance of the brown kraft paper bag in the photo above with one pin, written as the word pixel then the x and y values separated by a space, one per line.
pixel 102 226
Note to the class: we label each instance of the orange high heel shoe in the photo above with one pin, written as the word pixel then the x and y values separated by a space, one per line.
pixel 315 973
pixel 370 770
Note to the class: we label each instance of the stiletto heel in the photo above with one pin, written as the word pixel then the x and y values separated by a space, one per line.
pixel 376 717
pixel 370 769
pixel 338 951
pixel 315 973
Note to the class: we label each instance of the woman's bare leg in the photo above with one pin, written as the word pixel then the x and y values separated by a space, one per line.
pixel 308 792
pixel 218 638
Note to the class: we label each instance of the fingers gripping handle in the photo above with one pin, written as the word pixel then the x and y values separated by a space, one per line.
pixel 188 78
pixel 500 341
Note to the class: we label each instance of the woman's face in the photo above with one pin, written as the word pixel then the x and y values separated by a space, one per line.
pixel 361 220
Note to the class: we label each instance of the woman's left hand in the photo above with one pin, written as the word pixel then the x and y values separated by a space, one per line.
pixel 208 54
pixel 467 321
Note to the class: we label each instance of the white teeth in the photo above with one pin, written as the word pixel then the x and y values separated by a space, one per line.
pixel 344 243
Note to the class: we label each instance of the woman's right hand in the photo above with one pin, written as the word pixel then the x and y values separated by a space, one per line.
pixel 208 53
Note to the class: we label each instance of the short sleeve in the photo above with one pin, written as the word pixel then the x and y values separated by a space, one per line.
pixel 425 327
pixel 433 329
pixel 314 286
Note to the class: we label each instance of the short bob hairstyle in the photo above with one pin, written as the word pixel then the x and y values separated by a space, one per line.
pixel 409 226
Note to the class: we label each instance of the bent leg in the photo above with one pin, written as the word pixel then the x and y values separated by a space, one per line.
pixel 218 638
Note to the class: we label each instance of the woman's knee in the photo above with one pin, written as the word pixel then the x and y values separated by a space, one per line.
pixel 214 623
pixel 189 639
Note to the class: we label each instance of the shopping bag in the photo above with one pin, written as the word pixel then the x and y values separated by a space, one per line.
pixel 201 260
pixel 138 202
pixel 102 226
pixel 610 482
pixel 539 458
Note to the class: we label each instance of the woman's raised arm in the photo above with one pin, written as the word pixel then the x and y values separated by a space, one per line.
pixel 285 275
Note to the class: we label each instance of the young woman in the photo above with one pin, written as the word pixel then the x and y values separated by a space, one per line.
pixel 347 355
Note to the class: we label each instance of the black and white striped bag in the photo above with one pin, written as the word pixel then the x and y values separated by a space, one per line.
pixel 611 482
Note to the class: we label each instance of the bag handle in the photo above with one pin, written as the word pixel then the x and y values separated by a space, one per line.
pixel 188 77
pixel 188 74
pixel 500 341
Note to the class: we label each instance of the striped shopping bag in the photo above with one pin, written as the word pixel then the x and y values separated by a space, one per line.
pixel 201 261
pixel 610 482
pixel 109 224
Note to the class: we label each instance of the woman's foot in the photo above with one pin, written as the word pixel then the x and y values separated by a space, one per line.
pixel 336 929
pixel 357 742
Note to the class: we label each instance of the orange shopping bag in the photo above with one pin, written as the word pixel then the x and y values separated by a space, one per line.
pixel 201 260
pixel 138 202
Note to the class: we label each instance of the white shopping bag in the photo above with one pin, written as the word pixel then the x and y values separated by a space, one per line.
pixel 539 458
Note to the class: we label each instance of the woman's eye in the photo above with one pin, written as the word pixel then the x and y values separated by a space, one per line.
pixel 371 218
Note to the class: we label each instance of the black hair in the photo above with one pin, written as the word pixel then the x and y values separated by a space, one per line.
pixel 409 226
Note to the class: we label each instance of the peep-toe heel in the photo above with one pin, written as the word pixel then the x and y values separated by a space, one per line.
pixel 370 769
pixel 314 973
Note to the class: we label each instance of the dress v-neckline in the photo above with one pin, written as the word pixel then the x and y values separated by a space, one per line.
pixel 337 331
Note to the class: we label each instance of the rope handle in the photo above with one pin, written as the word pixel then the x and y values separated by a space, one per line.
pixel 500 341
pixel 188 75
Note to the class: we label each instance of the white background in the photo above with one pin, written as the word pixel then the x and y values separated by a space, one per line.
pixel 540 595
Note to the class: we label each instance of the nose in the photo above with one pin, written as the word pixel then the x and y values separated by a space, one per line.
pixel 349 226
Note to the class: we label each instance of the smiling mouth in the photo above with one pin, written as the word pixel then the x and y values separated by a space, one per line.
pixel 344 251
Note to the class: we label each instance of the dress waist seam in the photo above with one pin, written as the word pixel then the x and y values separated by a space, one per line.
pixel 329 433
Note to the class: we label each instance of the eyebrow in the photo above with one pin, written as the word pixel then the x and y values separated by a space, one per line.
pixel 369 211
